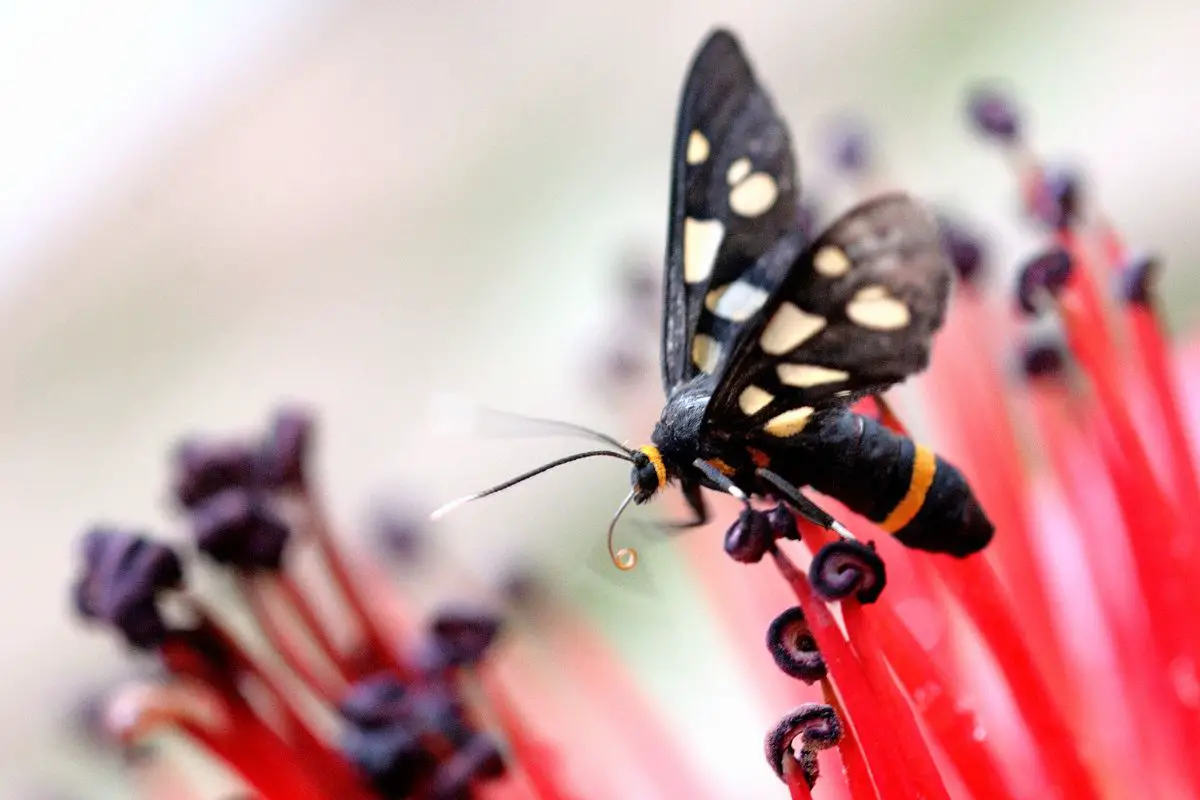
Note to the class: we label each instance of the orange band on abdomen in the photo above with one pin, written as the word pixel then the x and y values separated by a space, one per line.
pixel 924 467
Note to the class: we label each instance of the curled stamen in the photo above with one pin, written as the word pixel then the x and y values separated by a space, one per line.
pixel 1044 274
pixel 1138 277
pixel 850 146
pixel 1043 357
pixel 817 727
pixel 122 577
pixel 237 529
pixel 964 248
pixel 794 648
pixel 993 114
pixel 284 450
pixel 464 635
pixel 1057 199
pixel 749 537
pixel 847 567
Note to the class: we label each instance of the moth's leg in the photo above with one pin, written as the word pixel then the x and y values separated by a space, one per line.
pixel 694 496
pixel 805 507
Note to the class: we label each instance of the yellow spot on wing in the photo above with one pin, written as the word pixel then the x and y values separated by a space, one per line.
pixel 832 262
pixel 788 329
pixel 737 171
pixel 697 148
pixel 754 196
pixel 923 471
pixel 805 375
pixel 736 302
pixel 874 308
pixel 753 400
pixel 789 423
pixel 701 241
pixel 706 352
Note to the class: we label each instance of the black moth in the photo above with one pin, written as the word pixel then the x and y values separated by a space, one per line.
pixel 769 337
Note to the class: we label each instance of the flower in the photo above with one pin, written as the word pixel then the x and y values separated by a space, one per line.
pixel 1054 664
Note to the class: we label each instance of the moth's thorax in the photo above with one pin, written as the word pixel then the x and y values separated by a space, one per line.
pixel 677 433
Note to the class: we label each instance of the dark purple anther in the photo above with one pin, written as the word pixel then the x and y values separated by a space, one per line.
pixel 993 115
pixel 1046 273
pixel 393 758
pixel 783 522
pixel 750 536
pixel 846 567
pixel 204 467
pixel 1043 358
pixel 375 702
pixel 964 249
pixel 237 529
pixel 122 575
pixel 479 760
pixel 1138 276
pixel 793 647
pixel 817 727
pixel 464 634
pixel 400 535
pixel 1058 204
pixel 808 214
pixel 284 450
pixel 850 146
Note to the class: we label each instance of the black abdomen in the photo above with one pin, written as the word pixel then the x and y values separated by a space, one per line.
pixel 904 487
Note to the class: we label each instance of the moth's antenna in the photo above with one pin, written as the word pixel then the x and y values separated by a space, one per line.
pixel 459 410
pixel 626 558
pixel 558 462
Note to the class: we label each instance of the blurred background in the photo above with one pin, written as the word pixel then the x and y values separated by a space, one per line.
pixel 372 208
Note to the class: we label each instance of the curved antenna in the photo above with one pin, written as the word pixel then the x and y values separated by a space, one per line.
pixel 467 408
pixel 626 558
pixel 558 462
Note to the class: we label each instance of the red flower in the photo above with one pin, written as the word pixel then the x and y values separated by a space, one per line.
pixel 1059 663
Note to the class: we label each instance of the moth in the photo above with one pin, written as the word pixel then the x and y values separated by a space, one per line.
pixel 769 337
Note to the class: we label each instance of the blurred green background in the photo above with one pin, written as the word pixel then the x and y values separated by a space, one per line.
pixel 206 208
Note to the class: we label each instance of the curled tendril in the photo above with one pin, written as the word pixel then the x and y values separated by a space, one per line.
pixel 793 647
pixel 1046 273
pixel 847 567
pixel 817 727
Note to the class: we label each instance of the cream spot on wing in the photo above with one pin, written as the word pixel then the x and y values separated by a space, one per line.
pixel 754 196
pixel 874 308
pixel 697 148
pixel 706 352
pixel 701 240
pixel 737 171
pixel 788 329
pixel 805 375
pixel 753 400
pixel 832 262
pixel 736 302
pixel 788 423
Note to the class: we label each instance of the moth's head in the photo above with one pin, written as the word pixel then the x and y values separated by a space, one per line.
pixel 649 473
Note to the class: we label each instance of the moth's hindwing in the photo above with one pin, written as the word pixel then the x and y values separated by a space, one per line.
pixel 733 195
pixel 855 314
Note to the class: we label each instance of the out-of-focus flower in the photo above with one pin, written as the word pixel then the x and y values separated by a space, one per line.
pixel 1056 664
